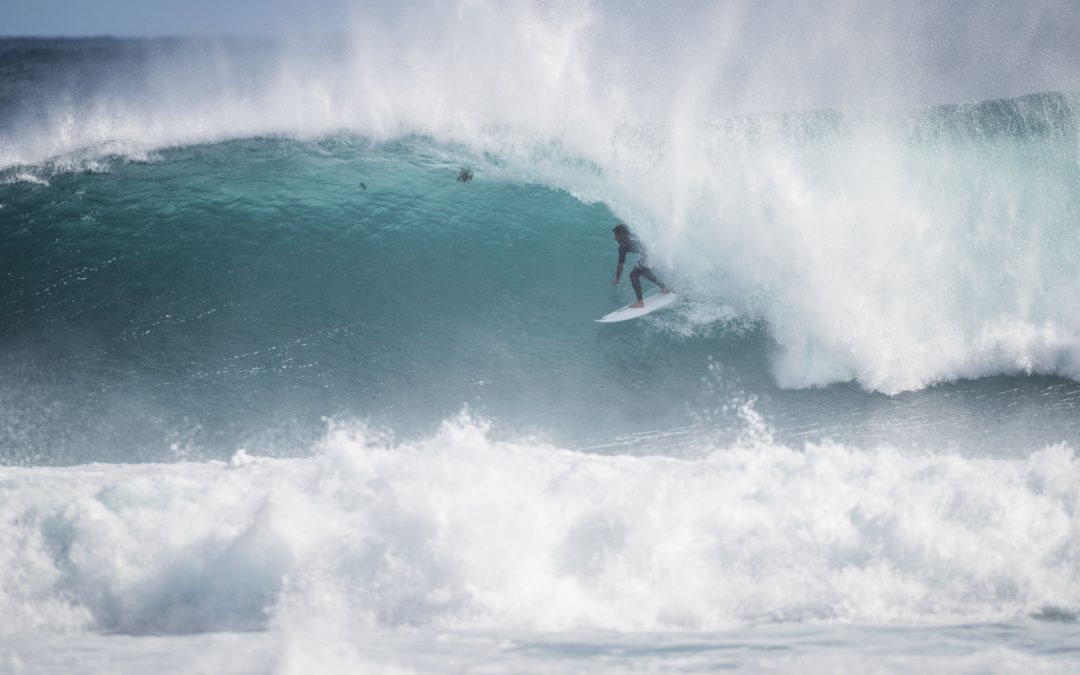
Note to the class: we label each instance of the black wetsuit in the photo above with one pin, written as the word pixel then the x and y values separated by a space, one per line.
pixel 631 244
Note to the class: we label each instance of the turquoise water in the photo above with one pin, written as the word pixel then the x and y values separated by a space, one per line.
pixel 236 294
pixel 278 291
pixel 272 377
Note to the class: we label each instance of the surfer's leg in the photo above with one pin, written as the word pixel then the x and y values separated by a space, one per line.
pixel 648 274
pixel 635 281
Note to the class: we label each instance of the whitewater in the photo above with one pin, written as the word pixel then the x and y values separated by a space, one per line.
pixel 280 392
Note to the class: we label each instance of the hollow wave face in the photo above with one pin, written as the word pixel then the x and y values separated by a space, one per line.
pixel 897 251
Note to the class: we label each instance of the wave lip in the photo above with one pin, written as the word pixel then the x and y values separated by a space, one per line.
pixel 459 531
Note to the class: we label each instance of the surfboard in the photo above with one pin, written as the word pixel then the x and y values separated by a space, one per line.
pixel 652 303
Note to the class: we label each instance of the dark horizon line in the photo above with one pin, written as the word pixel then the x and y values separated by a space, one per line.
pixel 163 36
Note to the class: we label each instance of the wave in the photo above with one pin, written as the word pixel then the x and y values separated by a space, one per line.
pixel 898 249
pixel 461 531
pixel 864 251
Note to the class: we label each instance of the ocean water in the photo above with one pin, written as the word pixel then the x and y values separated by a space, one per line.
pixel 280 393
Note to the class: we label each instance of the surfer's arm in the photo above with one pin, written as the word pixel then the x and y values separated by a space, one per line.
pixel 623 250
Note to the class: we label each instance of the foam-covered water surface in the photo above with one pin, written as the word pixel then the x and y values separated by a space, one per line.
pixel 1022 647
pixel 462 533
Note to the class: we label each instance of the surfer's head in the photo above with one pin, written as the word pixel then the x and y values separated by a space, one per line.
pixel 621 231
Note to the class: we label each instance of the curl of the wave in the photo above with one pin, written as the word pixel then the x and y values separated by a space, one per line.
pixel 894 249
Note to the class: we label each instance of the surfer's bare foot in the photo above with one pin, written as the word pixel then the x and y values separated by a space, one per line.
pixel 638 305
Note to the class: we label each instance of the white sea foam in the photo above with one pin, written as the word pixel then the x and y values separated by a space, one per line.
pixel 463 532
pixel 23 177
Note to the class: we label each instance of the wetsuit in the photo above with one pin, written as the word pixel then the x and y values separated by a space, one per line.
pixel 631 244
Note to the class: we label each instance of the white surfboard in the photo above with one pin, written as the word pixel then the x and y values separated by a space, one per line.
pixel 652 303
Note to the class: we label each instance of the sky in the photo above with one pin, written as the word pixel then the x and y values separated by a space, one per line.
pixel 132 18
pixel 273 17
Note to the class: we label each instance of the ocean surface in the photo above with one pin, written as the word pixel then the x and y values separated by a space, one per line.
pixel 279 392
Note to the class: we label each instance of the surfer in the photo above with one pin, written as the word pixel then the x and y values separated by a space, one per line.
pixel 628 243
